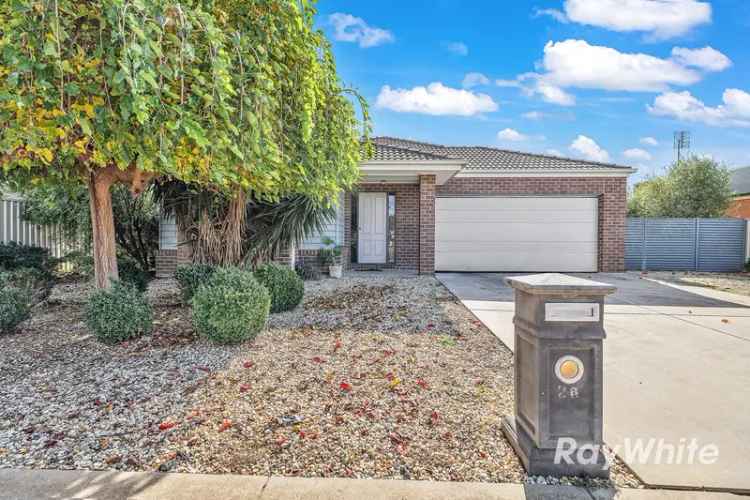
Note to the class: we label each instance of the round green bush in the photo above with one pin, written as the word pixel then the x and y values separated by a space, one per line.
pixel 36 282
pixel 284 285
pixel 190 277
pixel 231 307
pixel 118 314
pixel 15 307
pixel 129 271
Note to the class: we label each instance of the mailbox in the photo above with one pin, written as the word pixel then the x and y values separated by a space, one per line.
pixel 558 374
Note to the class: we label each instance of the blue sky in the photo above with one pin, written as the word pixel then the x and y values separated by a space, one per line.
pixel 600 79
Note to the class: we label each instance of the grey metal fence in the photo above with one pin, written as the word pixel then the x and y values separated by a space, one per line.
pixel 14 228
pixel 686 244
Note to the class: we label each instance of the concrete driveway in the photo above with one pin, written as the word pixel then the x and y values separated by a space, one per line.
pixel 677 368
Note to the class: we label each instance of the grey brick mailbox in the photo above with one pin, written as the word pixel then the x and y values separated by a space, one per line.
pixel 558 375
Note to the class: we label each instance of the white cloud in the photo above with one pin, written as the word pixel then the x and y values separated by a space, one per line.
pixel 473 79
pixel 637 154
pixel 707 58
pixel 575 63
pixel 659 18
pixel 533 115
pixel 553 152
pixel 458 48
pixel 553 13
pixel 435 99
pixel 588 148
pixel 512 135
pixel 508 83
pixel 649 141
pixel 735 110
pixel 348 28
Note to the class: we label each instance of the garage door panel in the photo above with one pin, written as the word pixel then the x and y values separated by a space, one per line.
pixel 521 231
pixel 536 234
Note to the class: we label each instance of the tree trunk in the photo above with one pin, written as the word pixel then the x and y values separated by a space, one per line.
pixel 103 228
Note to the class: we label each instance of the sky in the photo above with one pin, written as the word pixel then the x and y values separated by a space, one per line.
pixel 605 80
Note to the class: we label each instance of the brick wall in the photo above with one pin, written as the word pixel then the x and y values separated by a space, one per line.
pixel 611 191
pixel 168 260
pixel 426 224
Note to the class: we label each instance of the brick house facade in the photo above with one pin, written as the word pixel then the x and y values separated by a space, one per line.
pixel 411 176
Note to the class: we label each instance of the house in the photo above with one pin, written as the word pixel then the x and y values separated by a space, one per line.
pixel 428 207
pixel 740 183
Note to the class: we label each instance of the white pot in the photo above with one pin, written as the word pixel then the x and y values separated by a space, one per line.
pixel 336 271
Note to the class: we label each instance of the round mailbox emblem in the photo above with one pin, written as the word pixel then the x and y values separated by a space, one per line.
pixel 569 369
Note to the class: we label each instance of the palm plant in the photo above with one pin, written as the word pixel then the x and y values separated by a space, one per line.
pixel 209 221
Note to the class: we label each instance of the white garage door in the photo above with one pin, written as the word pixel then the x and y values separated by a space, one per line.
pixel 516 234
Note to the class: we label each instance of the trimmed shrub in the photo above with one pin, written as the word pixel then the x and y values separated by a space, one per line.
pixel 118 314
pixel 130 272
pixel 191 276
pixel 285 287
pixel 36 282
pixel 233 306
pixel 14 256
pixel 15 307
pixel 307 272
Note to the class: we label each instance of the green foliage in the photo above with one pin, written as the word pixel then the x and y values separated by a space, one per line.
pixel 131 273
pixel 285 287
pixel 119 313
pixel 330 254
pixel 307 272
pixel 696 187
pixel 747 266
pixel 67 206
pixel 236 95
pixel 232 307
pixel 15 307
pixel 37 283
pixel 15 256
pixel 190 277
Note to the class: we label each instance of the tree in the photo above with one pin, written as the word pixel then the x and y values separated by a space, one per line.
pixel 238 96
pixel 136 219
pixel 696 187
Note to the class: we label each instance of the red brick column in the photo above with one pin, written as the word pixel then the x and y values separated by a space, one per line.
pixel 426 224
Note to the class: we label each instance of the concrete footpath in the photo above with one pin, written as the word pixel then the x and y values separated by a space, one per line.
pixel 21 484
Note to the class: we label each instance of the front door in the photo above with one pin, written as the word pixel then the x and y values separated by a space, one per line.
pixel 373 217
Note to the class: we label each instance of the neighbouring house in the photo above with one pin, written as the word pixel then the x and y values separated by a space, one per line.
pixel 427 207
pixel 740 183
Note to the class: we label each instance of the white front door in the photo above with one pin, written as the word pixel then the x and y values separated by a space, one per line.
pixel 373 217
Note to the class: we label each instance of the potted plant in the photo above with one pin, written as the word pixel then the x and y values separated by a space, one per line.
pixel 330 255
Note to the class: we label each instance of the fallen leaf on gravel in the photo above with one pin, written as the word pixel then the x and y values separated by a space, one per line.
pixel 345 386
pixel 244 387
pixel 226 424
pixel 337 345
pixel 421 383
pixel 166 425
pixel 248 364
pixel 318 359
pixel 203 369
pixel 434 418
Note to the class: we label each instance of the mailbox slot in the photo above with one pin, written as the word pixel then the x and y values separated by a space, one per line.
pixel 571 311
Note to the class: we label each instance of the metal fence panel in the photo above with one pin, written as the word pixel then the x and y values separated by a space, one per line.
pixel 662 244
pixel 14 229
pixel 634 243
pixel 721 245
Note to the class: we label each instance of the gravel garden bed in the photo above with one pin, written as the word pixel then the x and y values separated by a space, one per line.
pixel 376 375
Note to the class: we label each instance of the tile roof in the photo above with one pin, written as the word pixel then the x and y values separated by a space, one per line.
pixel 480 157
pixel 384 152
pixel 740 180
